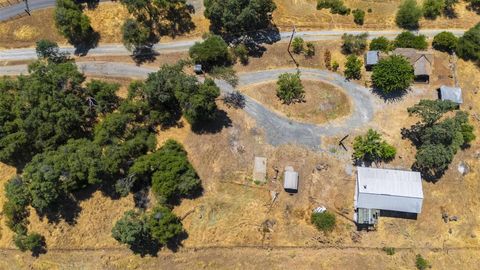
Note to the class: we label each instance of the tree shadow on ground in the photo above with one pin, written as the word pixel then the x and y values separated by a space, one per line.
pixel 91 4
pixel 392 97
pixel 82 47
pixel 255 41
pixel 41 249
pixel 177 21
pixel 428 175
pixel 176 199
pixel 144 55
pixel 67 207
pixel 146 246
pixel 176 243
pixel 216 125
pixel 235 100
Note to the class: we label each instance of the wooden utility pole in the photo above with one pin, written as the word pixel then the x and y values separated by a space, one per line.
pixel 289 44
pixel 27 9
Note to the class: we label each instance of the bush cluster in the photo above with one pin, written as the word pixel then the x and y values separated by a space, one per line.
pixel 324 221
pixel 372 148
pixel 335 6
pixel 438 138
pixel 407 39
pixel 290 88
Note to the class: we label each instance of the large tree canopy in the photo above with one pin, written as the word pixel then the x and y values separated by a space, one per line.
pixel 42 110
pixel 392 74
pixel 237 16
pixel 408 14
pixel 71 22
pixel 468 46
pixel 55 173
pixel 153 19
pixel 437 138
pixel 171 173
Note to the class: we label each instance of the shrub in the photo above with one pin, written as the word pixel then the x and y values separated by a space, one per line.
pixel 241 52
pixel 380 44
pixel 358 16
pixel 290 88
pixel 421 263
pixel 407 39
pixel 389 250
pixel 353 67
pixel 392 74
pixel 433 8
pixel 310 49
pixel 372 148
pixel 323 221
pixel 445 42
pixel 33 242
pixel 131 229
pixel 213 51
pixel 408 14
pixel 468 46
pixel 335 6
pixel 335 66
pixel 163 225
pixel 328 59
pixel 354 44
pixel 297 45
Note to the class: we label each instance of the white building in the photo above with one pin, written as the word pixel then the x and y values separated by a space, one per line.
pixel 384 189
pixel 453 94
pixel 290 183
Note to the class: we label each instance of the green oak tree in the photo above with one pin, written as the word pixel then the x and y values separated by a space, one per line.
pixel 408 14
pixel 392 74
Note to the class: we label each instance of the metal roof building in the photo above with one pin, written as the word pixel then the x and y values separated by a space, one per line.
pixel 290 183
pixel 391 190
pixel 371 58
pixel 451 93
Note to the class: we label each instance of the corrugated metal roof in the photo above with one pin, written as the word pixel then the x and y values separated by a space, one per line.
pixel 389 182
pixel 290 179
pixel 451 93
pixel 372 57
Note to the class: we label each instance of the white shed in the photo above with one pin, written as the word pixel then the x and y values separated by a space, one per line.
pixel 290 182
pixel 392 190
pixel 451 93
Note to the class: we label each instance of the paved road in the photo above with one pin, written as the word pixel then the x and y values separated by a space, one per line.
pixel 118 49
pixel 278 129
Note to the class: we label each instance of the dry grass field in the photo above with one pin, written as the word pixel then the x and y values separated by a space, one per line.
pixel 304 15
pixel 235 224
pixel 107 19
pixel 322 103
pixel 234 212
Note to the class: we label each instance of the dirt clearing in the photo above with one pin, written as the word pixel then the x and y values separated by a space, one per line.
pixel 323 101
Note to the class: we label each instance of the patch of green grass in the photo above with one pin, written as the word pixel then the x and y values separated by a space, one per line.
pixel 389 250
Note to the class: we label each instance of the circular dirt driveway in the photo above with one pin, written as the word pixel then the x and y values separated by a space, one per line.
pixel 281 130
